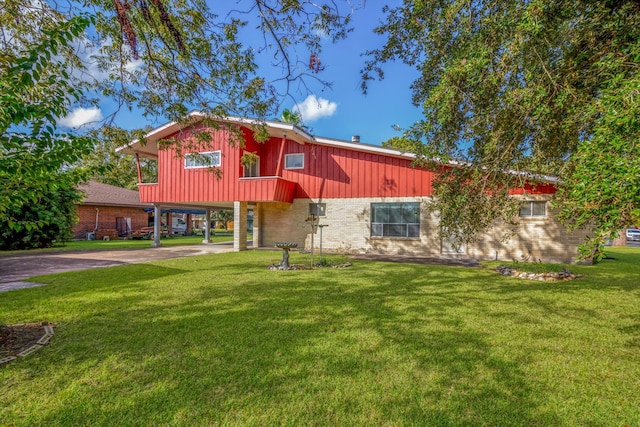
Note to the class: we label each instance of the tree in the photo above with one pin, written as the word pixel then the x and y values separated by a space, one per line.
pixel 289 116
pixel 223 216
pixel 168 58
pixel 104 164
pixel 512 90
pixel 54 215
pixel 165 58
pixel 34 91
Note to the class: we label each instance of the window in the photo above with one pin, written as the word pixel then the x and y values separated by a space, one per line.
pixel 252 170
pixel 202 160
pixel 318 209
pixel 533 209
pixel 395 219
pixel 294 161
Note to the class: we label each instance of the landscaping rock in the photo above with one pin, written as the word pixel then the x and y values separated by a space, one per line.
pixel 563 275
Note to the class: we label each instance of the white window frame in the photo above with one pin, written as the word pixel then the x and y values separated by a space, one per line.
pixel 292 156
pixel 531 211
pixel 192 161
pixel 384 229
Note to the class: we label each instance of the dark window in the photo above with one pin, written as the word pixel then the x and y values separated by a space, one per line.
pixel 294 161
pixel 395 219
pixel 318 209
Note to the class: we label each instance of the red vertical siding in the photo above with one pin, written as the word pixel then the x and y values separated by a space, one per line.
pixel 329 172
pixel 535 189
pixel 177 184
pixel 335 172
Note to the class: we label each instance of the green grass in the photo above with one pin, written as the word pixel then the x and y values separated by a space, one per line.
pixel 221 340
pixel 83 245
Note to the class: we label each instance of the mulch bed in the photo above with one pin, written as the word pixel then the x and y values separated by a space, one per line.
pixel 16 338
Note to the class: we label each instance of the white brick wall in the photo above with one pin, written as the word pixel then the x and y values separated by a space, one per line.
pixel 348 231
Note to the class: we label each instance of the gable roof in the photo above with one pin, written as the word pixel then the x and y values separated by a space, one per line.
pixel 110 195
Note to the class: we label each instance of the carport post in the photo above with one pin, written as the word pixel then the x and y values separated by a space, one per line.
pixel 256 225
pixel 207 226
pixel 240 226
pixel 157 218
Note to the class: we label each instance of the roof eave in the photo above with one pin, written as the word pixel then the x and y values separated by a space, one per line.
pixel 149 147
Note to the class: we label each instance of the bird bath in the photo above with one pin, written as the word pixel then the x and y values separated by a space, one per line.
pixel 285 246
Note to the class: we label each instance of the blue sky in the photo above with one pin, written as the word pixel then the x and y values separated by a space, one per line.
pixel 344 111
pixel 387 103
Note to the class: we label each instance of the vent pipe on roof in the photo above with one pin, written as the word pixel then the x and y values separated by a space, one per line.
pixel 355 138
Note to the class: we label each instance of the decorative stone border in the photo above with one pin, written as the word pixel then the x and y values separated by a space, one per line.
pixel 275 267
pixel 48 334
pixel 561 276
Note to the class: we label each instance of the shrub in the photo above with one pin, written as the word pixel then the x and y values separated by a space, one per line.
pixel 47 219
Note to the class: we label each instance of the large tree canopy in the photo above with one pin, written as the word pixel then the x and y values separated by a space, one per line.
pixel 169 57
pixel 34 157
pixel 161 57
pixel 513 87
pixel 166 58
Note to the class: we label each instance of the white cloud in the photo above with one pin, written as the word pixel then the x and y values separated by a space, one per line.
pixel 312 108
pixel 133 66
pixel 91 54
pixel 82 116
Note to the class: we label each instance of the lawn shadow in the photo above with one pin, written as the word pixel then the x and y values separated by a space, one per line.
pixel 90 294
pixel 632 331
pixel 367 345
pixel 120 275
pixel 272 327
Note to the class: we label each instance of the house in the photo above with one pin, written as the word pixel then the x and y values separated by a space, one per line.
pixel 110 211
pixel 366 198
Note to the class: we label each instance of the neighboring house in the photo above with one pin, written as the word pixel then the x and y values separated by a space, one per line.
pixel 111 211
pixel 369 198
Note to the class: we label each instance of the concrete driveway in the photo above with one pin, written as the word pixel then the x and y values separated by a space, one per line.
pixel 14 269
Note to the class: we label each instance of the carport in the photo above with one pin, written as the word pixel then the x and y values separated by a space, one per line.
pixel 241 214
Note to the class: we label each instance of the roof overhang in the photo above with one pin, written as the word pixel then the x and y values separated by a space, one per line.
pixel 148 147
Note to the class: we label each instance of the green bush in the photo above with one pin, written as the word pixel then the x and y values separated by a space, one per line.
pixel 47 219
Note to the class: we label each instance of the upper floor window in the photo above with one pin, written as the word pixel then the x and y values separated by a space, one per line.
pixel 252 170
pixel 531 209
pixel 395 219
pixel 203 160
pixel 294 161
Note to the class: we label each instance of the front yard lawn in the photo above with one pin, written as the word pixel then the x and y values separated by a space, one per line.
pixel 222 340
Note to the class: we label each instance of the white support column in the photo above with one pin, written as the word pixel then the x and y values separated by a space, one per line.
pixel 207 226
pixel 240 226
pixel 157 219
pixel 257 217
